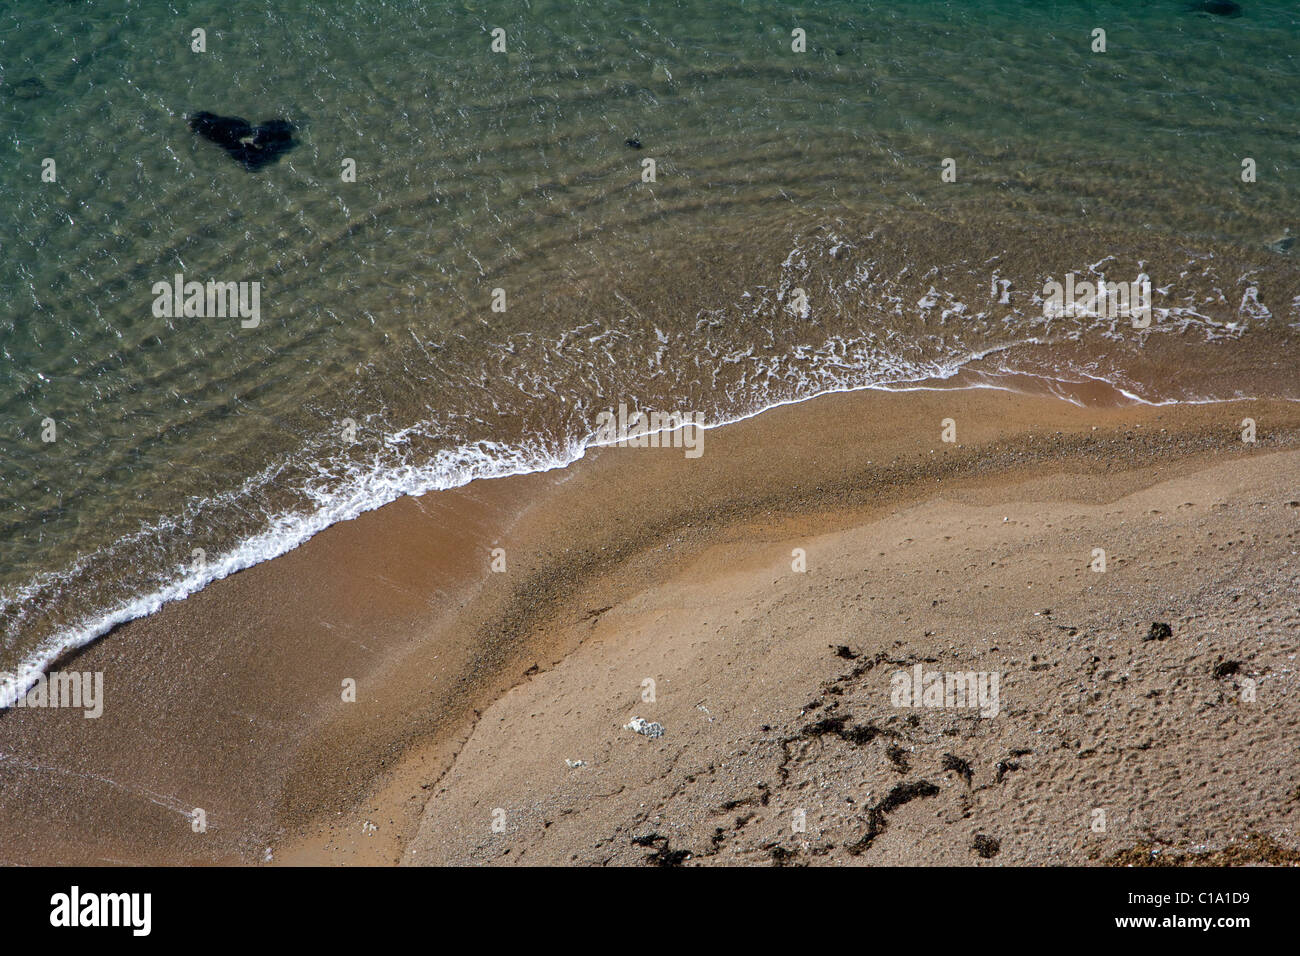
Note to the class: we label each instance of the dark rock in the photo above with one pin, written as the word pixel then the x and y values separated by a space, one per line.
pixel 251 146
pixel 986 846
pixel 633 142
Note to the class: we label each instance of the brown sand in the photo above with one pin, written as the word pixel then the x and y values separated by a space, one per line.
pixel 475 687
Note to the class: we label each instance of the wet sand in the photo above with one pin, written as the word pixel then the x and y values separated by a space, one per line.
pixel 474 687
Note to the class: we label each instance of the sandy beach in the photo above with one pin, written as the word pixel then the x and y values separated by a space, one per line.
pixel 757 603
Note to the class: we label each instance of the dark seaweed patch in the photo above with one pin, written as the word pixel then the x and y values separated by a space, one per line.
pixel 1159 631
pixel 958 766
pixel 898 757
pixel 1217 8
pixel 876 822
pixel 1224 668
pixel 251 146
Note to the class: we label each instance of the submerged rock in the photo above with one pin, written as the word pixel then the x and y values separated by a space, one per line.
pixel 1282 243
pixel 251 146
pixel 29 89
pixel 1218 8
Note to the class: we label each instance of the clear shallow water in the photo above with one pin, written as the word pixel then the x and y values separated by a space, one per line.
pixel 479 170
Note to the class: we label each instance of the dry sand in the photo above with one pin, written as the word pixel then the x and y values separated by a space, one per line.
pixel 775 689
pixel 475 688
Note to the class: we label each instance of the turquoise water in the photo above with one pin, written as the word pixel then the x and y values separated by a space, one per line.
pixel 186 448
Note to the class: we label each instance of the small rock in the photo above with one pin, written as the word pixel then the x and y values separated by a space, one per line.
pixel 1282 243
pixel 645 728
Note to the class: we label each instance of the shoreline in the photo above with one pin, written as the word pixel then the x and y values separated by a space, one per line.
pixel 1105 366
pixel 241 678
pixel 963 378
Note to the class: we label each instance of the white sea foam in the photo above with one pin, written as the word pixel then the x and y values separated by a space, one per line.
pixel 364 489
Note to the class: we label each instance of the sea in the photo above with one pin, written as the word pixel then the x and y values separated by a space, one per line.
pixel 498 219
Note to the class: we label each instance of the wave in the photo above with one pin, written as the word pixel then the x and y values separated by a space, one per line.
pixel 364 490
